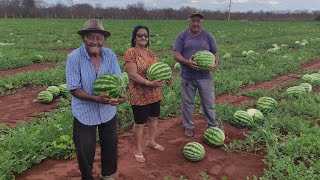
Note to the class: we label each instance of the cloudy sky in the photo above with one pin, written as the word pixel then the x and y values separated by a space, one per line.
pixel 237 5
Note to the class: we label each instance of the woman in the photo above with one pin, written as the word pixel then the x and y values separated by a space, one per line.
pixel 145 95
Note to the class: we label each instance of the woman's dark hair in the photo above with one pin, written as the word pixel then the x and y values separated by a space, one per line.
pixel 134 34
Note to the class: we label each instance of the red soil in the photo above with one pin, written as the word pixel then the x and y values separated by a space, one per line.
pixel 170 162
pixel 36 67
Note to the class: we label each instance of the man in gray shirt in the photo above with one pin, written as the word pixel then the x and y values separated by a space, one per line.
pixel 186 44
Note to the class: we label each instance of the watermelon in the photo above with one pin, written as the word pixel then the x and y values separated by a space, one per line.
pixel 255 114
pixel 55 91
pixel 194 151
pixel 295 91
pixel 214 136
pixel 109 84
pixel 177 66
pixel 306 86
pixel 63 89
pixel 265 104
pixel 125 78
pixel 242 119
pixel 159 71
pixel 45 97
pixel 204 59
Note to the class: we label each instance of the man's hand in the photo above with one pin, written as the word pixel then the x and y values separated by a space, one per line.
pixel 214 67
pixel 105 99
pixel 192 64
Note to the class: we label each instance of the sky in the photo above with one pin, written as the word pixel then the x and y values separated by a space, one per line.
pixel 213 5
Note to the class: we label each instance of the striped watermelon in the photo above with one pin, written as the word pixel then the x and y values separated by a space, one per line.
pixel 45 97
pixel 295 91
pixel 125 78
pixel 159 71
pixel 63 89
pixel 194 151
pixel 109 84
pixel 177 66
pixel 204 59
pixel 55 91
pixel 255 114
pixel 214 136
pixel 242 119
pixel 306 86
pixel 265 104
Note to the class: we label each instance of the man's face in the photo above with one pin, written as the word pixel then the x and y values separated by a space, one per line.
pixel 195 24
pixel 94 42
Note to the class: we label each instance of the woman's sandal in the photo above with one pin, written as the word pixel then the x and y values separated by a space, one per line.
pixel 157 147
pixel 139 158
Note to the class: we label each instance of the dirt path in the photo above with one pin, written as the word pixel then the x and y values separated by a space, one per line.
pixel 170 162
pixel 36 67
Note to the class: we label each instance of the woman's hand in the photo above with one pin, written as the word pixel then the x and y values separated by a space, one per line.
pixel 155 83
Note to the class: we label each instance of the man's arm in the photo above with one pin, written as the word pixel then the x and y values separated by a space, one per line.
pixel 188 62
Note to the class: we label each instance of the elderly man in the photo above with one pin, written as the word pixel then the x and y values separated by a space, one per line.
pixel 84 66
pixel 186 44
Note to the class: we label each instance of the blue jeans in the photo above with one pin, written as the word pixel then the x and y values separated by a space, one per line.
pixel 206 92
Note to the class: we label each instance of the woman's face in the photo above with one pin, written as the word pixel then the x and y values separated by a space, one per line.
pixel 142 37
pixel 94 43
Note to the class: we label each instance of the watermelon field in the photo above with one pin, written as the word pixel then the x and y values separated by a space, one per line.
pixel 257 59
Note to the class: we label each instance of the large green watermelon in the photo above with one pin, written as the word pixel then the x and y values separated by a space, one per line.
pixel 295 91
pixel 255 114
pixel 55 91
pixel 63 89
pixel 194 151
pixel 214 136
pixel 307 86
pixel 204 59
pixel 125 78
pixel 159 71
pixel 109 84
pixel 45 97
pixel 242 119
pixel 265 104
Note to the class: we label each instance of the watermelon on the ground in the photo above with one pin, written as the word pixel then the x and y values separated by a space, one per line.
pixel 194 151
pixel 265 104
pixel 307 86
pixel 125 78
pixel 109 84
pixel 242 119
pixel 45 97
pixel 159 71
pixel 204 59
pixel 255 114
pixel 63 89
pixel 214 136
pixel 55 91
pixel 295 91
pixel 177 66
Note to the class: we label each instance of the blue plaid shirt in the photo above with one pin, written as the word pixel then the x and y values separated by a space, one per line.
pixel 81 74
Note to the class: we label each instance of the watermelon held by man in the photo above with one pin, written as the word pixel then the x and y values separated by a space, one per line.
pixel 204 59
pixel 109 84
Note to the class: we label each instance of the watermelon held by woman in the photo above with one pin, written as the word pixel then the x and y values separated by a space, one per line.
pixel 159 71
pixel 214 136
pixel 204 59
pixel 194 151
pixel 109 84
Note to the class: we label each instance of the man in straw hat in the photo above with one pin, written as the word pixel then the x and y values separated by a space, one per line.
pixel 84 66
pixel 186 44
